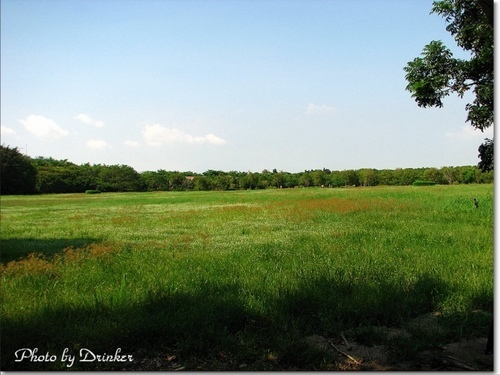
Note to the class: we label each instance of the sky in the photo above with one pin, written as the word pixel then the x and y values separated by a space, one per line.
pixel 232 85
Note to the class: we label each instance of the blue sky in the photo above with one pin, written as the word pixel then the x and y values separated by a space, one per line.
pixel 226 84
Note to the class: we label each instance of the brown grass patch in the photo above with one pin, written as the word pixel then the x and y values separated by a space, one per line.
pixel 242 208
pixel 182 242
pixel 37 264
pixel 34 264
pixel 92 251
pixel 339 205
pixel 123 220
pixel 82 217
pixel 307 209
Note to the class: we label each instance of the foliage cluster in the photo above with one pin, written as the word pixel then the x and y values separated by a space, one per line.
pixel 437 73
pixel 486 154
pixel 17 172
pixel 49 175
pixel 237 280
pixel 92 192
pixel 423 183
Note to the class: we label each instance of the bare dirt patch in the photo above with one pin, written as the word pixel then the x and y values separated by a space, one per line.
pixel 466 355
pixel 462 356
pixel 455 356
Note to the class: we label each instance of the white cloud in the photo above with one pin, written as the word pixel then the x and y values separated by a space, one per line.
pixel 156 135
pixel 319 109
pixel 86 119
pixel 132 144
pixel 7 131
pixel 468 132
pixel 97 144
pixel 214 139
pixel 43 127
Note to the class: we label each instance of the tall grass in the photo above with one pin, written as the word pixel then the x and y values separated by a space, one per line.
pixel 229 279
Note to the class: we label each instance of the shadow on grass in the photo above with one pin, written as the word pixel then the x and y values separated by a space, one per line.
pixel 213 328
pixel 15 249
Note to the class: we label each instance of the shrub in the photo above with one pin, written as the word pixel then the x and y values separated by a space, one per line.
pixel 423 183
pixel 92 192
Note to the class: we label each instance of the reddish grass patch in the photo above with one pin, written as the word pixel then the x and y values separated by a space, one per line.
pixel 307 209
pixel 123 220
pixel 339 205
pixel 92 251
pixel 37 264
pixel 34 264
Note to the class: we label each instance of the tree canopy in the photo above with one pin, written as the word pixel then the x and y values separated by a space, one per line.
pixel 17 173
pixel 437 74
pixel 486 155
pixel 21 174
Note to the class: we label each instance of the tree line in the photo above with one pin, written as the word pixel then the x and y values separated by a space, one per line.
pixel 21 174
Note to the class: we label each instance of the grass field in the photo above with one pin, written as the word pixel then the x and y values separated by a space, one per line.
pixel 236 280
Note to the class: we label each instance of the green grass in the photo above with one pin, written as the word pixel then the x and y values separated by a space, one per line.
pixel 224 279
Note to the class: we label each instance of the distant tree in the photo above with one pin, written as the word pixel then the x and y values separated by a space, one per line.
pixel 221 182
pixel 250 180
pixel 119 178
pixel 468 174
pixel 292 179
pixel 486 177
pixel 188 183
pixel 156 181
pixel 58 179
pixel 175 181
pixel 62 176
pixel 278 179
pixel 351 177
pixel 266 179
pixel 319 177
pixel 151 181
pixel 368 177
pixel 17 172
pixel 306 179
pixel 41 161
pixel 264 183
pixel 201 183
pixel 450 174
pixel 486 151
pixel 407 176
pixel 87 176
pixel 337 179
pixel 387 177
pixel 213 173
pixel 434 175
pixel 236 180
